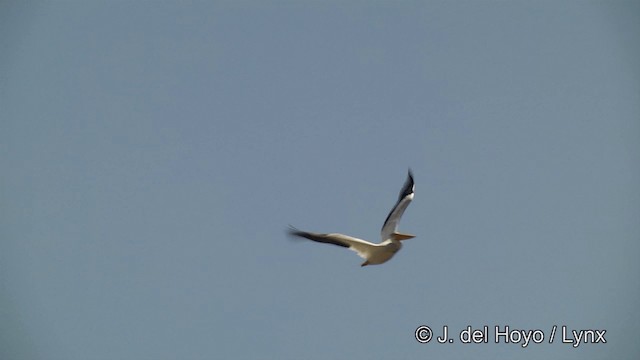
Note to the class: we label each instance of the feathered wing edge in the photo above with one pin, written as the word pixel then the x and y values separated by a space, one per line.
pixel 361 247
pixel 390 225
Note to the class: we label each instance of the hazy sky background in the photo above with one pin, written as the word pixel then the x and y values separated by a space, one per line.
pixel 153 153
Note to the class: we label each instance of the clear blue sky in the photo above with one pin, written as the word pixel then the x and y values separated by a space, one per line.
pixel 153 153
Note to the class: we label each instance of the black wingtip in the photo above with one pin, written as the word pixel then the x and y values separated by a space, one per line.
pixel 409 182
pixel 408 186
pixel 294 234
pixel 292 230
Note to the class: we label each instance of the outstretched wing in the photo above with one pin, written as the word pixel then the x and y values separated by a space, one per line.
pixel 363 248
pixel 393 219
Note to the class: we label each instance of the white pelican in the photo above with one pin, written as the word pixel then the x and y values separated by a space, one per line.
pixel 373 254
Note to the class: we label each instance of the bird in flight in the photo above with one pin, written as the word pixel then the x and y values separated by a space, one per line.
pixel 372 253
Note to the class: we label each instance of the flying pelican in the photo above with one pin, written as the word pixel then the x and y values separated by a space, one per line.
pixel 373 254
